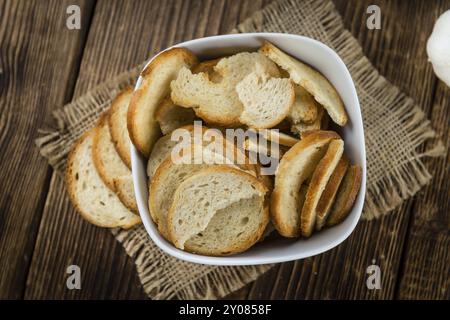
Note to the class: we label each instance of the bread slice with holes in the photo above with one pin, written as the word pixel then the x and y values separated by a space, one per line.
pixel 297 164
pixel 89 194
pixel 217 102
pixel 346 195
pixel 304 108
pixel 169 174
pixel 125 191
pixel 319 180
pixel 142 126
pixel 218 211
pixel 266 100
pixel 329 194
pixel 117 122
pixel 170 116
pixel 311 80
pixel 106 159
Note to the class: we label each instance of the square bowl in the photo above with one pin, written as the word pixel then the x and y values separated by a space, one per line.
pixel 325 60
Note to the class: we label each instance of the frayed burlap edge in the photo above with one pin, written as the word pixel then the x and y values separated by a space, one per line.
pixel 214 282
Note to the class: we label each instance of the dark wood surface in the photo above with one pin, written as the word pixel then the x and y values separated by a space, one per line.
pixel 44 65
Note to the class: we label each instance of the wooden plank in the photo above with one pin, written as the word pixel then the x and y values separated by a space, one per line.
pixel 114 45
pixel 426 270
pixel 39 57
pixel 341 273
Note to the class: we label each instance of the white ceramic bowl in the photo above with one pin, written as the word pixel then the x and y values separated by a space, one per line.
pixel 328 63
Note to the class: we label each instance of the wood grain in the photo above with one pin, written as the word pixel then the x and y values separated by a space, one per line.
pixel 426 270
pixel 64 238
pixel 39 57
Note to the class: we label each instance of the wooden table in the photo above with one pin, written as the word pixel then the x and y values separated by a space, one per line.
pixel 44 65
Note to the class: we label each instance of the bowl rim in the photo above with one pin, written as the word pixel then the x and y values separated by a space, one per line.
pixel 170 249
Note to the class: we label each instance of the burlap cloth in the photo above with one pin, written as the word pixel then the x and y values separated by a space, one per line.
pixel 395 170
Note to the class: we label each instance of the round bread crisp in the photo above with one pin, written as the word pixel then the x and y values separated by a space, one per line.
pixel 218 211
pixel 142 126
pixel 319 180
pixel 347 192
pixel 91 197
pixel 118 124
pixel 297 164
pixel 106 159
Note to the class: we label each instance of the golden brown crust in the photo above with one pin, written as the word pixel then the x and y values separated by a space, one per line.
pixel 96 152
pixel 346 195
pixel 329 194
pixel 319 179
pixel 70 183
pixel 279 137
pixel 253 181
pixel 277 203
pixel 129 203
pixel 121 148
pixel 144 147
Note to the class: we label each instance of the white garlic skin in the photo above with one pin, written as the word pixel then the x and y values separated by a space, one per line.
pixel 438 48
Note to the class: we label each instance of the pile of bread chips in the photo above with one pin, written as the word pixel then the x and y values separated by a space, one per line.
pixel 217 205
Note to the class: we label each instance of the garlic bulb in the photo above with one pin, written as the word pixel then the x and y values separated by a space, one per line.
pixel 438 48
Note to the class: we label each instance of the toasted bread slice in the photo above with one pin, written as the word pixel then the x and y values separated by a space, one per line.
pixel 329 194
pixel 142 126
pixel 313 82
pixel 170 116
pixel 346 196
pixel 266 101
pixel 117 122
pixel 204 215
pixel 302 128
pixel 207 67
pixel 125 191
pixel 295 167
pixel 304 109
pixel 278 137
pixel 106 159
pixel 91 197
pixel 319 180
pixel 265 148
pixel 218 102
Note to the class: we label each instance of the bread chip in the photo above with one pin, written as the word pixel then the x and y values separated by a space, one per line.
pixel 170 116
pixel 319 180
pixel 302 128
pixel 278 137
pixel 118 124
pixel 266 101
pixel 125 191
pixel 295 167
pixel 346 196
pixel 218 102
pixel 204 214
pixel 310 79
pixel 329 194
pixel 168 177
pixel 142 126
pixel 208 68
pixel 304 109
pixel 106 159
pixel 91 197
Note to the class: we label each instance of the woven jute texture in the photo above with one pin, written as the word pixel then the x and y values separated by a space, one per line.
pixel 395 169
